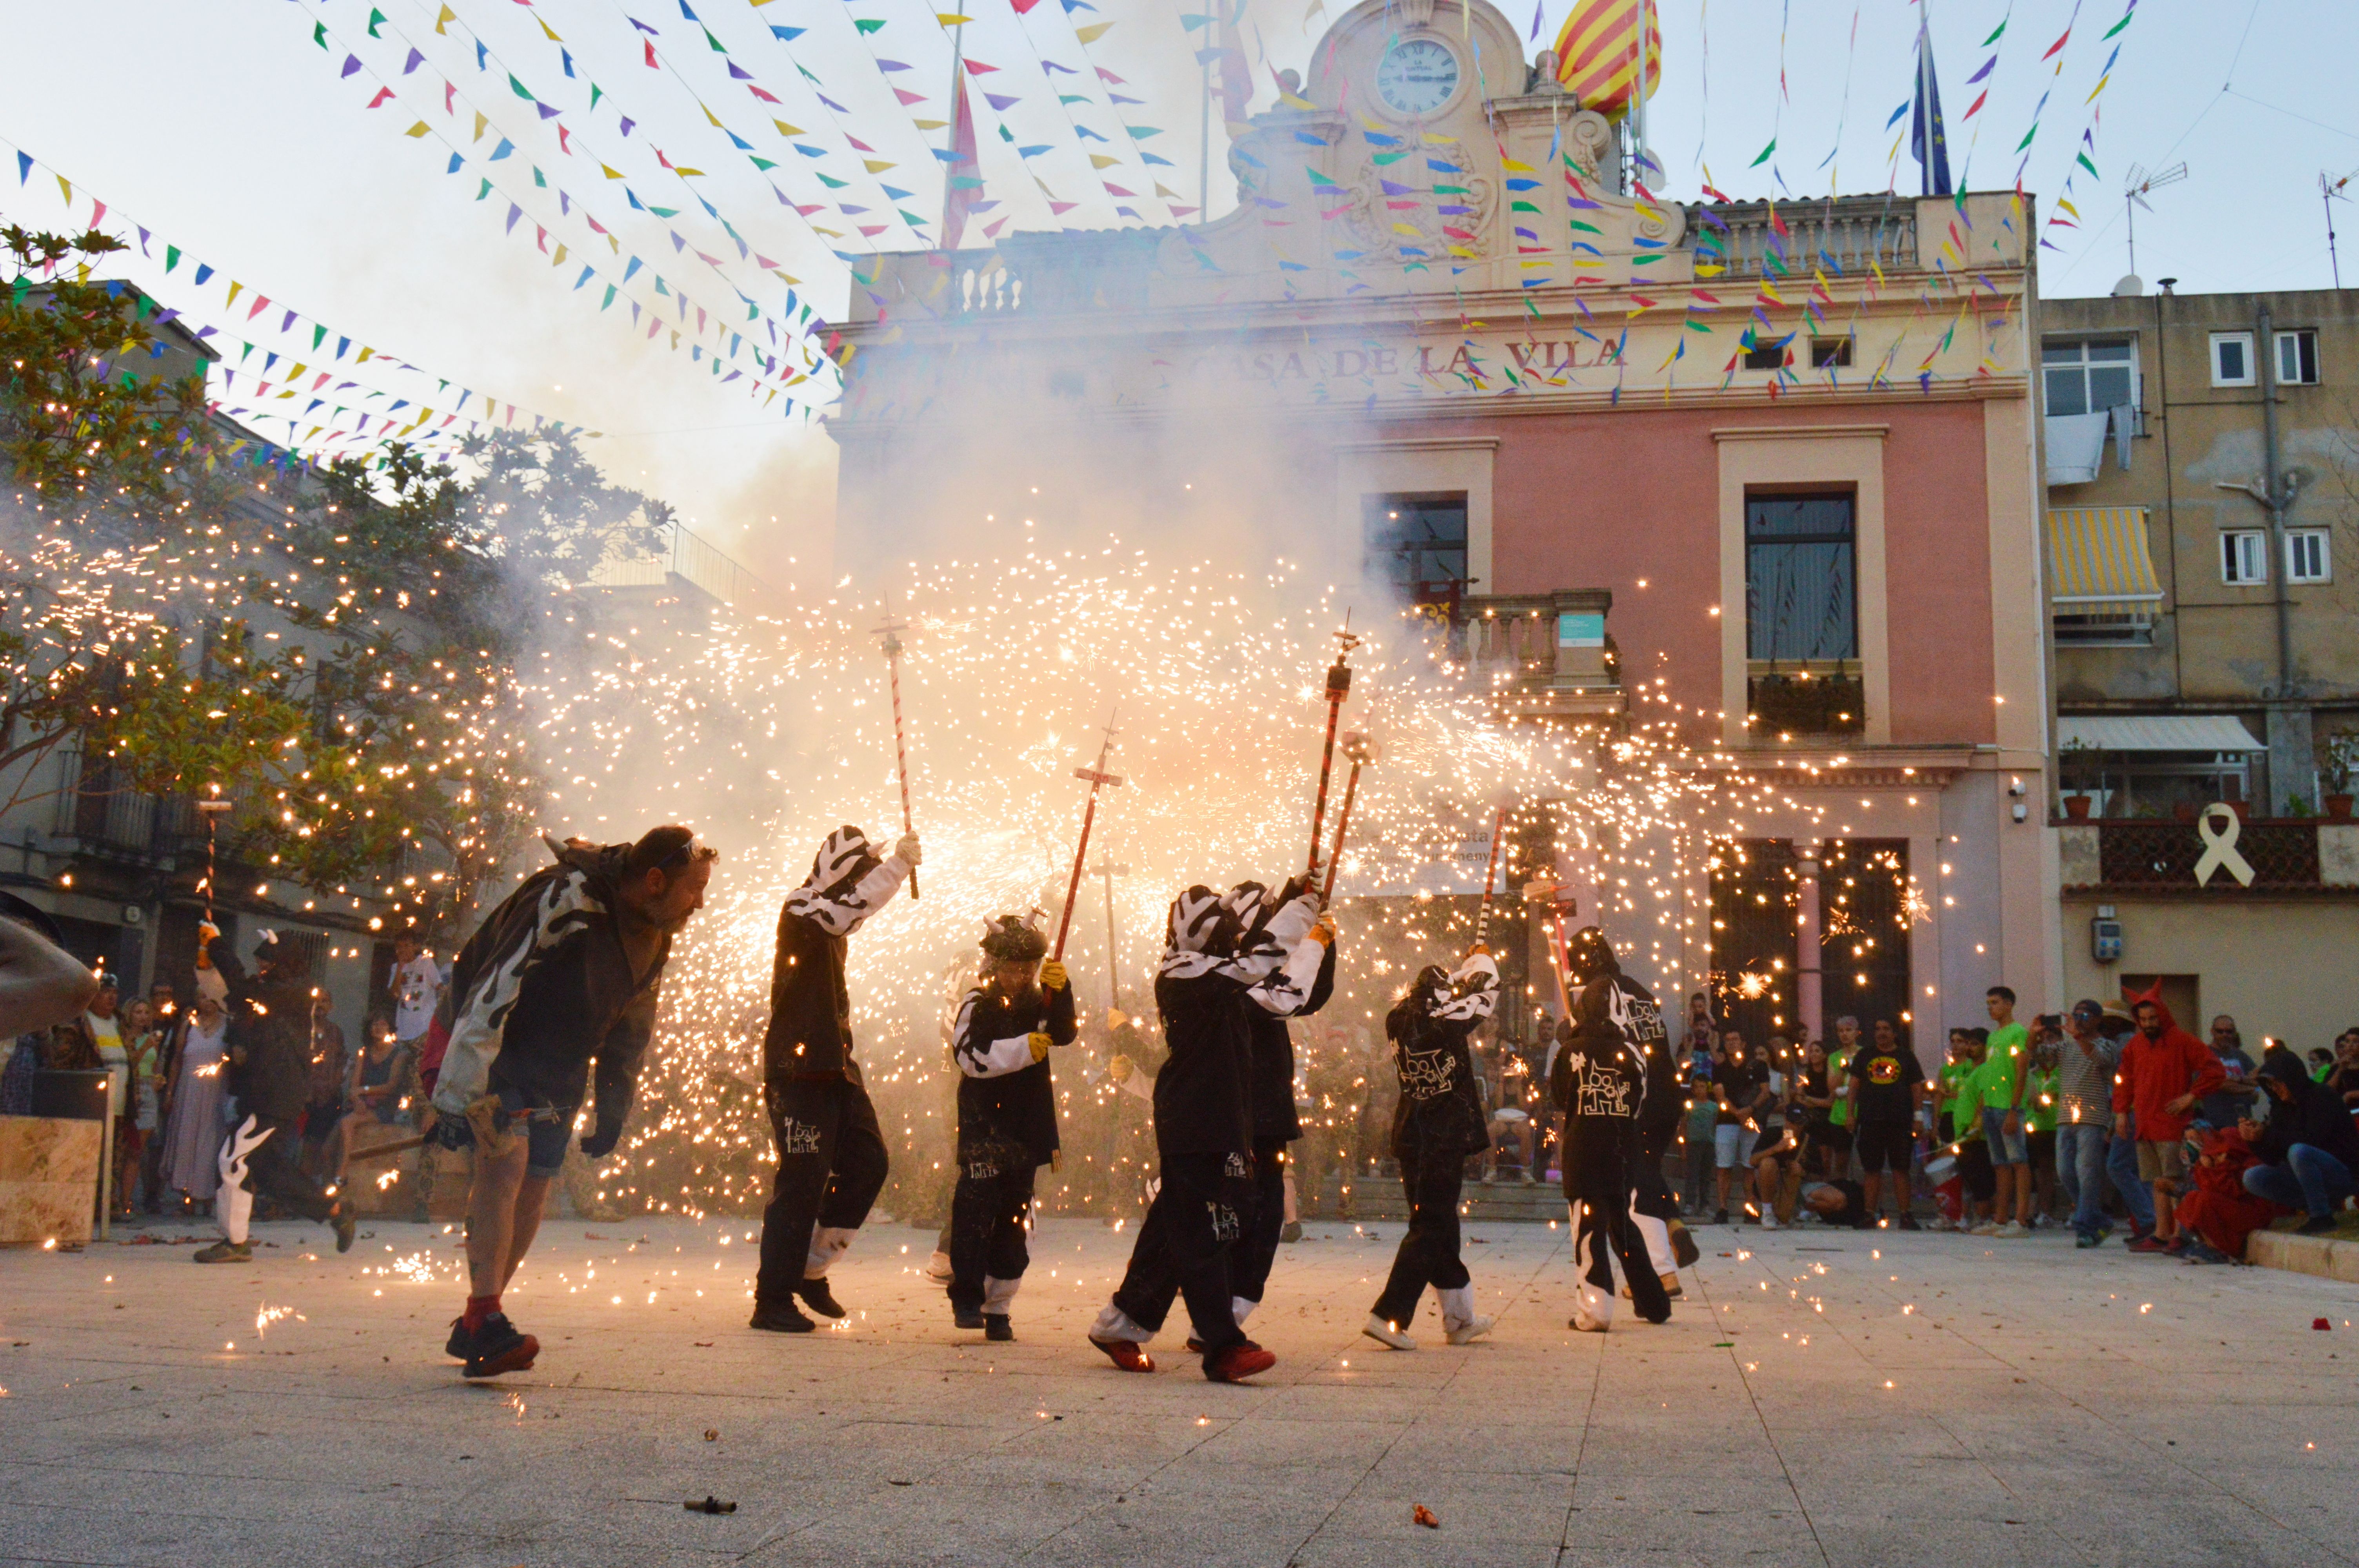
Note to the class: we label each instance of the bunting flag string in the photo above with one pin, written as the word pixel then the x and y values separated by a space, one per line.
pixel 711 323
pixel 872 165
pixel 486 59
pixel 318 362
pixel 1106 80
pixel 2062 214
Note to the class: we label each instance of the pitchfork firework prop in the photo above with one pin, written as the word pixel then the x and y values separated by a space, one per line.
pixel 1096 778
pixel 1362 750
pixel 892 630
pixel 1490 875
pixel 1339 686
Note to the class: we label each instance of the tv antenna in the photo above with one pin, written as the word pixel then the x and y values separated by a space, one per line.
pixel 2329 191
pixel 2133 197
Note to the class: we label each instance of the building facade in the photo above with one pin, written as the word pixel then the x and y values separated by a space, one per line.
pixel 2202 469
pixel 1765 473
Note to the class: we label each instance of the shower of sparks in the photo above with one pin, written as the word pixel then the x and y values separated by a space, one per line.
pixel 765 732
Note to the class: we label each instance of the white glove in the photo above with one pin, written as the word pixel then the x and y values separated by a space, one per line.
pixel 907 850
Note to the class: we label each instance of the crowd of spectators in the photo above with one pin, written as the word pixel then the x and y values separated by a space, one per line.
pixel 171 1074
pixel 2109 1118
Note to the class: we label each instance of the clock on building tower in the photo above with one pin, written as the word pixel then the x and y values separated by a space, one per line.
pixel 1418 76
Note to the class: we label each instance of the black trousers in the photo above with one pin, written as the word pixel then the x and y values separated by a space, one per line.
pixel 988 1208
pixel 1184 1244
pixel 831 1165
pixel 1428 1251
pixel 275 1171
pixel 1249 1272
pixel 1597 1185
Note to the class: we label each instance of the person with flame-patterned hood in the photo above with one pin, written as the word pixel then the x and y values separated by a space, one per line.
pixel 832 1159
pixel 1438 1123
pixel 1591 961
pixel 1007 1115
pixel 1599 1082
pixel 1204 1122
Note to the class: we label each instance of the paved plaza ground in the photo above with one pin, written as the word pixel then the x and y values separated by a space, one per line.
pixel 1819 1397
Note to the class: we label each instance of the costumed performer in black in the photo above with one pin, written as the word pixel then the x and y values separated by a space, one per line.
pixel 1599 1082
pixel 831 1157
pixel 270 1074
pixel 1006 1117
pixel 1592 960
pixel 1203 1129
pixel 1438 1123
pixel 1270 1090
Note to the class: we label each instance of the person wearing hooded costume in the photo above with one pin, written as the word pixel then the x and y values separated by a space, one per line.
pixel 1006 1117
pixel 1203 1124
pixel 1270 1090
pixel 555 992
pixel 1436 1123
pixel 832 1159
pixel 1591 961
pixel 2164 1072
pixel 270 1061
pixel 1599 1082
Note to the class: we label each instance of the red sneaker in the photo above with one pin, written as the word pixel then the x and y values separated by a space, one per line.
pixel 1128 1355
pixel 2148 1244
pixel 1238 1362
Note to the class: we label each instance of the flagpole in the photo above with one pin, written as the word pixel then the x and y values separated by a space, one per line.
pixel 1205 137
pixel 950 136
pixel 1638 99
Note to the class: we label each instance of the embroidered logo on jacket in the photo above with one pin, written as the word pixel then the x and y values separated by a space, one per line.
pixel 1603 1091
pixel 798 1137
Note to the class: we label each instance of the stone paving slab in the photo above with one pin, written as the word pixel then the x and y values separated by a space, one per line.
pixel 1818 1397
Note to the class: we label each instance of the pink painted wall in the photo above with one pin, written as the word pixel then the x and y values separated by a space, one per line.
pixel 1603 500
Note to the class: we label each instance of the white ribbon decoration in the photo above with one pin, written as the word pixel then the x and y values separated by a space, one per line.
pixel 2220 845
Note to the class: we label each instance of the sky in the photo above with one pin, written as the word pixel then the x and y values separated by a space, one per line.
pixel 241 131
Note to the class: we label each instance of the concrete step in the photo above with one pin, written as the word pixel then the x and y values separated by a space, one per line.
pixel 1505 1201
pixel 2328 1257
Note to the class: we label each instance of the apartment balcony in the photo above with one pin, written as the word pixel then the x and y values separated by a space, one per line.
pixel 2290 858
pixel 1545 656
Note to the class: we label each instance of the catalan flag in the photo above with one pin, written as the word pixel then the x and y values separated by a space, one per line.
pixel 1597 52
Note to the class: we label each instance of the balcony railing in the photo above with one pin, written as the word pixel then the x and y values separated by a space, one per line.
pixel 1844 237
pixel 1785 699
pixel 1545 654
pixel 2295 856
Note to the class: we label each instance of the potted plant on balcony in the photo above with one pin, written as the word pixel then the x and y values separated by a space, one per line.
pixel 2078 764
pixel 2334 778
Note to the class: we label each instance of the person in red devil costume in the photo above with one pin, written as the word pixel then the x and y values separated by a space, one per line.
pixel 2164 1072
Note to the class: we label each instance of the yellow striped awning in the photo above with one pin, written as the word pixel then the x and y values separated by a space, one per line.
pixel 2098 555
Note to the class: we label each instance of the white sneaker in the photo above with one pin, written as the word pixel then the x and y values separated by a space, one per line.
pixel 1388 1333
pixel 2011 1231
pixel 1769 1220
pixel 1588 1325
pixel 1987 1228
pixel 937 1268
pixel 1468 1333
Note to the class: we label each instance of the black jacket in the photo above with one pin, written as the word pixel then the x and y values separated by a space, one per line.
pixel 269 1041
pixel 811 1010
pixel 1599 1082
pixel 1440 1109
pixel 1200 1090
pixel 2315 1117
pixel 1275 1118
pixel 1004 1097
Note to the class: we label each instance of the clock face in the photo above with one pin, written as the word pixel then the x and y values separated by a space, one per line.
pixel 1417 76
